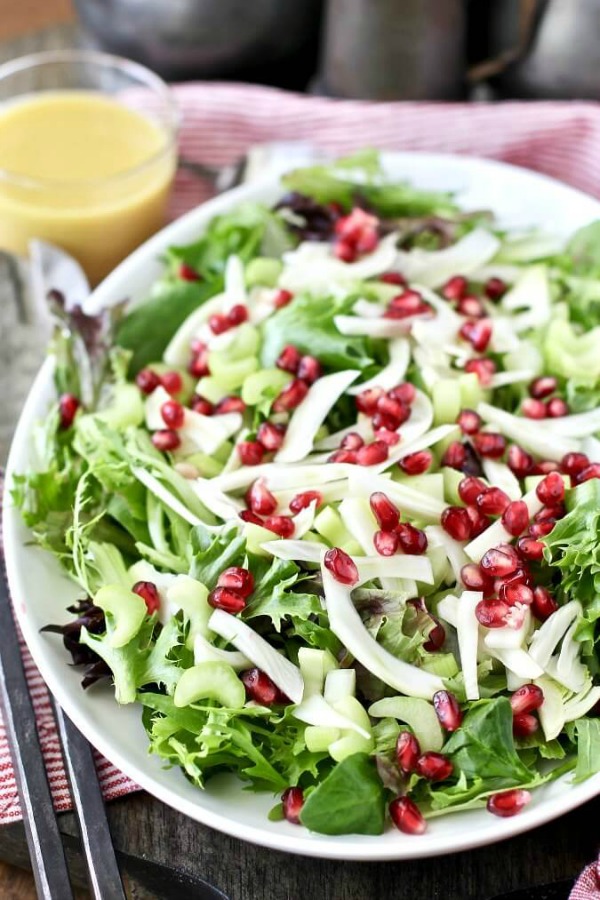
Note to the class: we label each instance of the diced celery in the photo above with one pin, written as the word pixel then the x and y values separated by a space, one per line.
pixel 471 391
pixel 207 466
pixel 223 452
pixel 319 737
pixel 446 400
pixel 351 742
pixel 210 681
pixel 231 373
pixel 315 665
pixel 328 523
pixel 255 536
pixel 442 664
pixel 441 570
pixel 314 538
pixel 264 384
pixel 126 407
pixel 191 595
pixel 263 271
pixel 339 683
pixel 245 343
pixel 452 478
pixel 418 714
pixel 126 609
pixel 432 485
pixel 211 389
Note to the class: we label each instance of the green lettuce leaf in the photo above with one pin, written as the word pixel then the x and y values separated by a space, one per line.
pixel 275 597
pixel 351 800
pixel 211 553
pixel 588 749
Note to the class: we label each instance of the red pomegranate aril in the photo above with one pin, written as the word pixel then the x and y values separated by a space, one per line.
pixel 250 452
pixel 382 420
pixel 526 699
pixel 385 512
pixel 485 369
pixel 246 515
pixel 454 455
pixel 226 599
pixel 148 591
pixel 345 251
pixel 197 346
pixel 229 405
pixel 530 549
pixel 456 522
pixel 281 525
pixel 309 369
pixel 393 278
pixel 412 540
pixel 471 306
pixel 352 441
pixel 406 816
pixel 366 401
pixel 435 638
pixel 524 725
pixel 386 543
pixel 540 529
pixel 372 454
pixel 407 751
pixel 68 405
pixel 260 499
pixel 282 298
pixel 479 521
pixel 477 332
pixel 259 687
pixel 469 421
pixel 434 766
pixel 292 802
pixel 515 517
pixel 591 471
pixel 303 501
pixel 533 409
pixel 455 288
pixel 447 710
pixel 172 382
pixel 489 444
pixel 203 406
pixel 395 408
pixel 391 438
pixel 519 462
pixel 404 393
pixel 408 303
pixel 270 435
pixel 470 488
pixel 416 463
pixel 199 367
pixel 551 490
pixel 351 226
pixel 474 578
pixel 219 323
pixel 237 314
pixel 498 563
pixel 291 396
pixel 289 359
pixel 574 463
pixel 341 566
pixel 556 408
pixel 166 439
pixel 494 288
pixel 508 803
pixel 343 456
pixel 238 579
pixel 491 612
pixel 187 273
pixel 544 604
pixel 542 387
pixel 173 414
pixel 147 380
pixel 493 501
pixel 512 594
pixel 367 241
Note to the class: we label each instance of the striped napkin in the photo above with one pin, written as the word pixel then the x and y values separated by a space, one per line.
pixel 219 124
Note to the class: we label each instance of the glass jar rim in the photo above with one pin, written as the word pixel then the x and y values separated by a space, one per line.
pixel 108 60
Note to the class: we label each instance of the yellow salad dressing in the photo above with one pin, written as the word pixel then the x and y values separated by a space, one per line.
pixel 83 171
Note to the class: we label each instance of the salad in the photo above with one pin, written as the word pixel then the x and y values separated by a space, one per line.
pixel 332 498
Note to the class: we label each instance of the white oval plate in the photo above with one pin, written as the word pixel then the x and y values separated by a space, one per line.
pixel 41 592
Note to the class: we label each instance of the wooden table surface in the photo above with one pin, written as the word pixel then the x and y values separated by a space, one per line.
pixel 143 826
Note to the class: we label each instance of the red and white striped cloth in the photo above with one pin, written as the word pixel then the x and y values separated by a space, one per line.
pixel 221 121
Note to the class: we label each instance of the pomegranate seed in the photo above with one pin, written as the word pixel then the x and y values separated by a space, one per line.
pixel 197 346
pixel 447 710
pixel 497 562
pixel 227 599
pixel 493 501
pixel 470 488
pixel 383 421
pixel 202 406
pixel 483 368
pixel 291 396
pixel 229 405
pixel 260 499
pixel 148 591
pixel 172 382
pixel 237 314
pixel 68 405
pixel 557 408
pixel 345 251
pixel 477 332
pixel 434 766
pixel 406 816
pixel 404 393
pixel 416 463
pixel 172 414
pixel 529 548
pixel 237 579
pixel 519 462
pixel 289 359
pixel 250 452
pixel 147 380
pixel 385 512
pixel 551 490
pixel 436 637
pixel 494 288
pixel 352 226
pixel 474 578
pixel 455 520
pixel 386 542
pixel 540 529
pixel 367 241
pixel 469 421
pixel 166 439
pixel 533 409
pixel 574 463
pixel 490 444
pixel 455 455
pixel 352 441
pixel 526 699
pixel 393 278
pixel 371 454
pixel 292 802
pixel 259 687
pixel 366 401
pixel 391 438
pixel 408 302
pixel 407 751
pixel 343 456
pixel 309 369
pixel 281 525
pixel 303 500
pixel 455 288
pixel 187 273
pixel 396 409
pixel 479 521
pixel 591 471
pixel 282 298
pixel 341 566
pixel 544 604
pixel 508 803
pixel 509 550
pixel 540 388
pixel 412 540
pixel 471 306
pixel 199 365
pixel 270 435
pixel 246 515
pixel 515 517
pixel 218 323
pixel 512 594
pixel 492 612
pixel 524 725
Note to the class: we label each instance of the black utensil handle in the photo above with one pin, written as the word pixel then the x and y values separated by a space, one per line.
pixel 557 890
pixel 103 871
pixel 41 828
